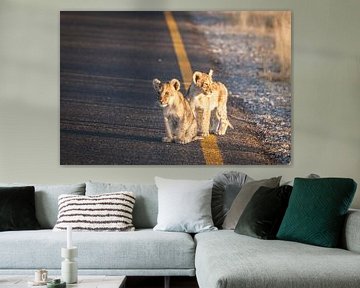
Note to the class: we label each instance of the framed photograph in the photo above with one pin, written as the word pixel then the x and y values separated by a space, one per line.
pixel 175 88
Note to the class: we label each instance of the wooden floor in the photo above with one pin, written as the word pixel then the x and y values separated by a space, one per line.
pixel 158 282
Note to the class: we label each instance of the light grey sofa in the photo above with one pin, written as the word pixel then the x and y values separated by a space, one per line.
pixel 219 259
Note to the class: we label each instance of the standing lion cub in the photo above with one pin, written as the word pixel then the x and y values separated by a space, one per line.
pixel 180 123
pixel 208 101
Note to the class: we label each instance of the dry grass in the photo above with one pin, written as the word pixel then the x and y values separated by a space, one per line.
pixel 282 31
pixel 276 24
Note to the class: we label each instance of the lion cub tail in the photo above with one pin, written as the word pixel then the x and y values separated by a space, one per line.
pixel 229 124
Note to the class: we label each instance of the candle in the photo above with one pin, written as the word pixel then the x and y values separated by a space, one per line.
pixel 69 240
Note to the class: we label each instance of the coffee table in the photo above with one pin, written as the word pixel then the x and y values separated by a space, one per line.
pixel 84 281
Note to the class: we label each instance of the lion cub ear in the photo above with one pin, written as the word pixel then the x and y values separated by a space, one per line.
pixel 196 76
pixel 176 84
pixel 156 84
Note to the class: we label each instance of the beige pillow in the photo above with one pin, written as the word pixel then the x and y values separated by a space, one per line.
pixel 243 198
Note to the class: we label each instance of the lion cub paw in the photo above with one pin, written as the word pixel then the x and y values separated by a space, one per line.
pixel 204 134
pixel 181 141
pixel 167 139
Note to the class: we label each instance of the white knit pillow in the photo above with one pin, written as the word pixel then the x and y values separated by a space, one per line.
pixel 105 212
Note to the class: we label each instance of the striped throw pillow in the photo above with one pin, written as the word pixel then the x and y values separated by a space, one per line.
pixel 105 212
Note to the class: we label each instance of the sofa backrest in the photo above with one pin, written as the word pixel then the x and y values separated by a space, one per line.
pixel 146 203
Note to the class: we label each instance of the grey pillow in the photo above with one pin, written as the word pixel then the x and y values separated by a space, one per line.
pixel 243 198
pixel 310 176
pixel 146 204
pixel 46 200
pixel 184 205
pixel 225 189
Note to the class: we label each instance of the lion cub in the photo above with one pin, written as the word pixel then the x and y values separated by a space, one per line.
pixel 208 101
pixel 180 123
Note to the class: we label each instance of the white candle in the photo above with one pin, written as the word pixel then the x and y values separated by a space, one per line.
pixel 69 239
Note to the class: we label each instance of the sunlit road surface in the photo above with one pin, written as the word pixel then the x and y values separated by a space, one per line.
pixel 108 112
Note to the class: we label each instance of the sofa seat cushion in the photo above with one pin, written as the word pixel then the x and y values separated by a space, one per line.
pixel 226 259
pixel 142 249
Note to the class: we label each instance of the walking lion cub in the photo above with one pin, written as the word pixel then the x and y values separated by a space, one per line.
pixel 180 123
pixel 208 101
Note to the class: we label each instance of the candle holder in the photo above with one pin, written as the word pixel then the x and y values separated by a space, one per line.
pixel 69 271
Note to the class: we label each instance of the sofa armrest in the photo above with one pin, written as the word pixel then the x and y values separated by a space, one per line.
pixel 351 234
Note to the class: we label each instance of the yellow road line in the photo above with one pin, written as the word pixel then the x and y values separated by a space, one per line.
pixel 211 151
pixel 179 48
pixel 209 145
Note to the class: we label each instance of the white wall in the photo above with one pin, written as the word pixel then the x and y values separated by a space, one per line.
pixel 326 88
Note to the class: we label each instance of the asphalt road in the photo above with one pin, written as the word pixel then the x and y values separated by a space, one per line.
pixel 108 109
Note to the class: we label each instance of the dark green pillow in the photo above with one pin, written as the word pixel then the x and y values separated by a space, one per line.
pixel 316 211
pixel 263 214
pixel 17 208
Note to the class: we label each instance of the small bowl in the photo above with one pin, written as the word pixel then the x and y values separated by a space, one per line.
pixel 56 283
